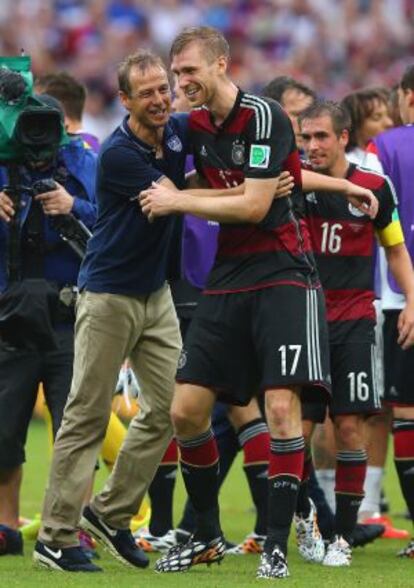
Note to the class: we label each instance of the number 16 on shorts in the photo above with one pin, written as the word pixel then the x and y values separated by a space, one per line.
pixel 354 379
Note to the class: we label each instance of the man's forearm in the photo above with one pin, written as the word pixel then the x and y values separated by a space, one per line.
pixel 400 265
pixel 217 207
pixel 214 192
pixel 314 182
pixel 197 186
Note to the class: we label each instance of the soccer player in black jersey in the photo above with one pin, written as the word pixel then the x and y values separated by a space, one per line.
pixel 343 241
pixel 246 335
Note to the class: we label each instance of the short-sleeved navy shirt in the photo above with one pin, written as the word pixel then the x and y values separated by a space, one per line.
pixel 127 254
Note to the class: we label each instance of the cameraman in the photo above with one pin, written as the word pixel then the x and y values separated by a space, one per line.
pixel 43 255
pixel 72 96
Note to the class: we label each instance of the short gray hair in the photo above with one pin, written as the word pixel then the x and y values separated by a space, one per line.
pixel 143 59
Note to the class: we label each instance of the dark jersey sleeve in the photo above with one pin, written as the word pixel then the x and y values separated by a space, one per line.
pixel 387 204
pixel 126 171
pixel 270 140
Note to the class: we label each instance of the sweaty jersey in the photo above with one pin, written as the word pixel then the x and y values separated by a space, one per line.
pixel 343 240
pixel 255 141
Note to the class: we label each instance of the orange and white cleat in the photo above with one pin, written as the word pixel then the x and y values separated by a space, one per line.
pixel 390 531
pixel 253 543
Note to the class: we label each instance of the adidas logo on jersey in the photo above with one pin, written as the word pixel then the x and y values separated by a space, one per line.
pixel 311 197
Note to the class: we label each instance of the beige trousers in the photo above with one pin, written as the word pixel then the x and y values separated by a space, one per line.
pixel 108 329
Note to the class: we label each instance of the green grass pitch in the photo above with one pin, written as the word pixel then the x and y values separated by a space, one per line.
pixel 374 565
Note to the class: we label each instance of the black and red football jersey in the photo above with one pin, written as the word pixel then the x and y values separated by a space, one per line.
pixel 344 245
pixel 255 141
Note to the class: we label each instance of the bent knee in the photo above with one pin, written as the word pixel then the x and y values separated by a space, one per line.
pixel 187 422
pixel 348 433
pixel 279 409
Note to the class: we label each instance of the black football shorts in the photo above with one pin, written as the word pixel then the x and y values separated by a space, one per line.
pixel 243 343
pixel 355 388
pixel 398 365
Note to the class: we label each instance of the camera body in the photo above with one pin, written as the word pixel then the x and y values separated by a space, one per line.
pixel 42 186
pixel 70 229
pixel 30 131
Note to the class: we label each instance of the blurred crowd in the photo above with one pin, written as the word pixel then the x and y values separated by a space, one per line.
pixel 334 47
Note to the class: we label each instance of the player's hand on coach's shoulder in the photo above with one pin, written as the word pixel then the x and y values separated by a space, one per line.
pixel 363 199
pixel 6 207
pixel 57 201
pixel 406 326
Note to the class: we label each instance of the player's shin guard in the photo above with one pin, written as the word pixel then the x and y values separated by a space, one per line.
pixel 403 432
pixel 254 439
pixel 199 466
pixel 285 473
pixel 161 492
pixel 351 467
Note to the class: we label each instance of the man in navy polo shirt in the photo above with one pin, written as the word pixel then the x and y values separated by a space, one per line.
pixel 124 310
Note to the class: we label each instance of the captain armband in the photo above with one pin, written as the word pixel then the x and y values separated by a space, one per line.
pixel 392 234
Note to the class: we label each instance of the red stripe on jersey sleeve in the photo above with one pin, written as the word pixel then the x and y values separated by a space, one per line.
pixel 249 240
pixel 349 304
pixel 366 179
pixel 293 165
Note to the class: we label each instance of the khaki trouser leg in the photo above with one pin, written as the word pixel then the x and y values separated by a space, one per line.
pixel 154 360
pixel 107 328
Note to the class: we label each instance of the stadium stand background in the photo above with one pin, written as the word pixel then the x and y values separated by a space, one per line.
pixel 332 46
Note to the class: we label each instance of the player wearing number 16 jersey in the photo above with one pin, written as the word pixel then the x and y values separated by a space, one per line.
pixel 343 240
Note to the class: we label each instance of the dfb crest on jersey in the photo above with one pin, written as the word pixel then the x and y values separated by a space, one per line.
pixel 174 143
pixel 355 211
pixel 237 153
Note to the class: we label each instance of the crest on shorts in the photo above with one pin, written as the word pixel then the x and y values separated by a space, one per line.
pixel 237 153
pixel 174 143
pixel 182 359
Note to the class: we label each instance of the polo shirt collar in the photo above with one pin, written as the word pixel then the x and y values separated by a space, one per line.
pixel 125 128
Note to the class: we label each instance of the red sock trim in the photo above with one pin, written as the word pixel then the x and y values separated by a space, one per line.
pixel 307 468
pixel 404 444
pixel 290 464
pixel 257 449
pixel 203 455
pixel 171 455
pixel 350 478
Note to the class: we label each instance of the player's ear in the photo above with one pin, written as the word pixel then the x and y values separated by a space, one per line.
pixel 344 138
pixel 125 100
pixel 222 63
